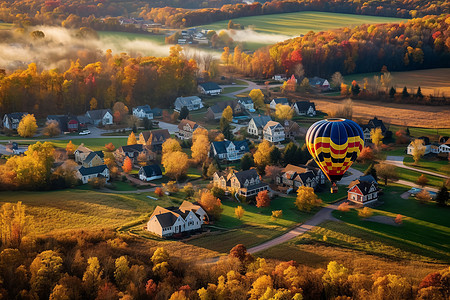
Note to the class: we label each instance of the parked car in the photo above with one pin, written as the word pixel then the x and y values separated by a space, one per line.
pixel 84 132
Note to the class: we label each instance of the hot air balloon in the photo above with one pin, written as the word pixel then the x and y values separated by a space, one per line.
pixel 334 144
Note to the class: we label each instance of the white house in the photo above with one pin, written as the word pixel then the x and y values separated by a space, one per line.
pixel 319 83
pixel 88 173
pixel 304 108
pixel 426 143
pixel 445 148
pixel 274 102
pixel 209 88
pixel 11 121
pixel 256 125
pixel 274 132
pixel 143 112
pixel 192 103
pixel 100 116
pixel 148 173
pixel 279 77
pixel 247 103
pixel 228 150
pixel 168 221
pixel 363 192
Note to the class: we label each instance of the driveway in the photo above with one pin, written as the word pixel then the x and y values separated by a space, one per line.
pixel 171 127
pixel 398 162
pixel 354 174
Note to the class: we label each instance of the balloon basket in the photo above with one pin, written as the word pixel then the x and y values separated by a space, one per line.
pixel 334 188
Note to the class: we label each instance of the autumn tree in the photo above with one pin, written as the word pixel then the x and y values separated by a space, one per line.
pixel 200 148
pixel 93 103
pixel 272 172
pixel 262 155
pixel 170 145
pixel 122 272
pixel 276 214
pixel 211 204
pixel 257 98
pixel 228 113
pixel 92 277
pixel 159 192
pixel 127 165
pixel 336 80
pixel 366 212
pixel 398 219
pixel 51 128
pixel 366 155
pixel 46 270
pixel 283 112
pixel 110 147
pixel 239 212
pixel 70 148
pixel 423 196
pixel 344 207
pixel 27 126
pixel 422 180
pixel 132 139
pixel 401 137
pixel 14 224
pixel 307 199
pixel 417 149
pixel 120 111
pixel 260 286
pixel 376 136
pixel 386 172
pixel 263 199
pixel 175 163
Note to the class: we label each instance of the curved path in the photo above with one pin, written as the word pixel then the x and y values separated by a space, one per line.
pixel 398 162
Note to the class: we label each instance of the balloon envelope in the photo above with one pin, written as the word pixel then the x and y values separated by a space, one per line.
pixel 335 144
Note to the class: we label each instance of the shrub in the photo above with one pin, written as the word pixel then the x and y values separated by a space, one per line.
pixel 366 212
pixel 344 207
pixel 159 192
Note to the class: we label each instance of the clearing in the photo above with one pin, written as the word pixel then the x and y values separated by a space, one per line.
pixel 431 81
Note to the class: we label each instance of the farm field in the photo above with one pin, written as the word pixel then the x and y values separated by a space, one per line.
pixel 431 81
pixel 5 26
pixel 423 116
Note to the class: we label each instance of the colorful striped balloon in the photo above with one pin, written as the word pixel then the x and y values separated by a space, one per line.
pixel 334 144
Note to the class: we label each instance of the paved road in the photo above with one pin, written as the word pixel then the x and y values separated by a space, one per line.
pixel 398 162
pixel 321 216
pixel 355 174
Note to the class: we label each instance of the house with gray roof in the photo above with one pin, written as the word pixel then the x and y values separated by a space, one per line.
pixel 100 117
pixel 273 132
pixel 256 125
pixel 151 172
pixel 247 103
pixel 209 88
pixel 304 108
pixel 215 112
pixel 11 121
pixel 320 83
pixel 228 150
pixel 275 101
pixel 191 103
pixel 143 112
pixel 85 174
pixel 94 158
pixel 245 183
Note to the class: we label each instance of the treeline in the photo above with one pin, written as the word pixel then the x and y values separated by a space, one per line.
pixel 105 265
pixel 179 17
pixel 113 78
pixel 418 44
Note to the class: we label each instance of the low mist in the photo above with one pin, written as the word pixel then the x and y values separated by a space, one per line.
pixel 249 35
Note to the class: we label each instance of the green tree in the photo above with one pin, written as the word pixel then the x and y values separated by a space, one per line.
pixel 247 162
pixel 275 155
pixel 46 270
pixel 290 152
pixel 392 92
pixel 122 272
pixel 442 196
pixel 419 93
pixel 184 113
pixel 226 129
pixel 371 171
pixel 405 93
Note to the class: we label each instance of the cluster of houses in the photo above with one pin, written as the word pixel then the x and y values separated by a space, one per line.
pixel 193 36
pixel 321 84
pixel 441 148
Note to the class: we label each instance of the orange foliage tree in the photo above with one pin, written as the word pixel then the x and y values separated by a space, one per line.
pixel 263 199
pixel 127 165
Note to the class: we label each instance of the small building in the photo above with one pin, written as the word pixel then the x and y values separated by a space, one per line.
pixel 143 112
pixel 426 143
pixel 154 139
pixel 292 130
pixel 246 103
pixel 209 88
pixel 273 132
pixel 81 153
pixel 191 103
pixel 100 117
pixel 294 177
pixel 228 150
pixel 186 129
pixel 256 125
pixel 85 174
pixel 445 147
pixel 363 192
pixel 279 77
pixel 320 83
pixel 304 108
pixel 245 183
pixel 275 101
pixel 215 112
pixel 151 172
pixel 93 159
pixel 165 222
pixel 11 121
pixel 133 151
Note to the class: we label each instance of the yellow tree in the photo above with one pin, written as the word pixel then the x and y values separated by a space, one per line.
pixel 226 55
pixel 27 126
pixel 239 212
pixel 257 98
pixel 170 145
pixel 199 131
pixel 377 136
pixel 228 113
pixel 13 224
pixel 176 164
pixel 200 148
pixel 418 149
pixel 306 199
pixel 132 139
pixel 93 103
pixel 262 155
pixel 70 148
pixel 283 112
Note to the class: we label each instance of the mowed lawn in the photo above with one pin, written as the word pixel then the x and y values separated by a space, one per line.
pixel 55 211
pixel 297 23
pixel 424 234
pixel 431 165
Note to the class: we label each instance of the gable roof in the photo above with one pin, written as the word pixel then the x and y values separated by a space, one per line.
pixel 151 170
pixel 98 114
pixel 220 106
pixel 192 124
pixel 376 123
pixel 186 101
pixel 221 147
pixel 92 155
pixel 210 86
pixel 158 134
pixel 246 175
pixel 261 121
pixel 145 108
pixel 364 187
pixel 282 100
pixel 92 170
pixel 316 81
pixel 245 100
pixel 132 148
pixel 166 219
pixel 292 168
pixel 186 206
pixel 15 117
pixel 272 124
pixel 304 105
pixel 83 149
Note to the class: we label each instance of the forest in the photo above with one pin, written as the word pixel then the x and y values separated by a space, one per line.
pixel 110 79
pixel 418 44
pixel 179 17
pixel 106 265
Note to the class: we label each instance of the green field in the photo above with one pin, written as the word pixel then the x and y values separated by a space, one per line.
pixel 424 234
pixel 431 165
pixel 410 175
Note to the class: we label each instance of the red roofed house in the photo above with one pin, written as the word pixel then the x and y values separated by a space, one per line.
pixel 363 192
